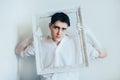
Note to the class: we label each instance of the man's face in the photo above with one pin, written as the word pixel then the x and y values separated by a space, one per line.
pixel 58 30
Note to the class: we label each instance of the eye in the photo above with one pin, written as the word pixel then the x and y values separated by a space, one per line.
pixel 64 29
pixel 56 27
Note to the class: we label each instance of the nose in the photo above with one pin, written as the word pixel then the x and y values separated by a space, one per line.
pixel 59 31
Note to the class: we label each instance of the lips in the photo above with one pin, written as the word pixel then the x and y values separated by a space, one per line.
pixel 58 36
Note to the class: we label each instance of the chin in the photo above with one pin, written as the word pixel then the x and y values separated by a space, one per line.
pixel 58 40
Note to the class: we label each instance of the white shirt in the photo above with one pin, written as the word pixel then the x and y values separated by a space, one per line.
pixel 58 55
pixel 61 55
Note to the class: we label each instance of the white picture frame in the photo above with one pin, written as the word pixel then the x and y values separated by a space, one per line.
pixel 38 35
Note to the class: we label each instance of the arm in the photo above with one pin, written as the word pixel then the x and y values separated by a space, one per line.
pixel 98 48
pixel 94 53
pixel 24 46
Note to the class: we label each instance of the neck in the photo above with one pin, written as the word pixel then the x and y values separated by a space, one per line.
pixel 56 42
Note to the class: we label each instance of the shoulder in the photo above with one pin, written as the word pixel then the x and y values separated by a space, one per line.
pixel 46 38
pixel 68 39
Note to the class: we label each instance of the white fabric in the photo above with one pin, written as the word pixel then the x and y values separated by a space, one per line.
pixel 56 56
pixel 92 39
pixel 62 55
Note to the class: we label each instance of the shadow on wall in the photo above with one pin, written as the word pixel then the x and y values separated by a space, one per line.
pixel 26 65
pixel 27 70
pixel 23 31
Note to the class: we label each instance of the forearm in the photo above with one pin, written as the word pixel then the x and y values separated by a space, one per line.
pixel 23 45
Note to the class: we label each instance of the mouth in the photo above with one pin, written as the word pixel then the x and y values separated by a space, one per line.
pixel 58 36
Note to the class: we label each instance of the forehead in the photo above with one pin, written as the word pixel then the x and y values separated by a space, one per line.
pixel 60 24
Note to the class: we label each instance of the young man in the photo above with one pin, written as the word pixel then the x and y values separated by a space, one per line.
pixel 59 49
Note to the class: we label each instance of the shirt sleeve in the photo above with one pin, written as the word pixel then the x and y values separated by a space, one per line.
pixel 92 52
pixel 28 51
pixel 93 40
pixel 93 45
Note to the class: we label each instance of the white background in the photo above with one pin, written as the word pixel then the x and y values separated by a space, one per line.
pixel 101 16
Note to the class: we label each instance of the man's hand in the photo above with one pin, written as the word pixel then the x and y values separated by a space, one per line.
pixel 23 45
pixel 20 48
pixel 102 54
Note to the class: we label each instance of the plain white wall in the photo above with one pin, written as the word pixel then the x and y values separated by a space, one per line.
pixel 8 40
pixel 101 16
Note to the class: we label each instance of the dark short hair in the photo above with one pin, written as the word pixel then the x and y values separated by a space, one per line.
pixel 60 16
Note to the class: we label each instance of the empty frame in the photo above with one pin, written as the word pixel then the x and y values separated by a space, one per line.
pixel 75 31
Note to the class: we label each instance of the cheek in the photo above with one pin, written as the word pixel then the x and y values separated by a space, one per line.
pixel 64 33
pixel 53 32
